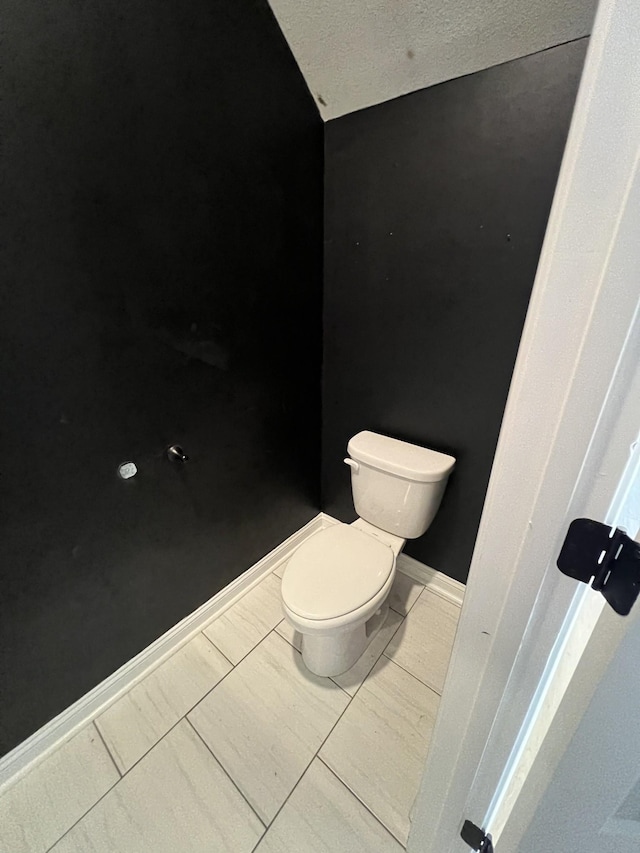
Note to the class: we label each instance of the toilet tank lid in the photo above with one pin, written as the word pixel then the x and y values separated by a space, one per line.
pixel 399 457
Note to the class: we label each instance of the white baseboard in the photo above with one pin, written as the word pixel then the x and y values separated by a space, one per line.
pixel 15 763
pixel 435 581
pixel 328 520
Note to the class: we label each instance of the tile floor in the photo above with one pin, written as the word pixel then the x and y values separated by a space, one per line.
pixel 232 745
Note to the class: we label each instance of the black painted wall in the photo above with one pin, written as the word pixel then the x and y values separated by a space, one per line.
pixel 435 210
pixel 162 232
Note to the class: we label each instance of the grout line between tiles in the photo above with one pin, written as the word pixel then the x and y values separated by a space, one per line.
pixel 189 710
pixel 183 717
pixel 153 746
pixel 108 791
pixel 400 624
pixel 82 817
pixel 418 597
pixel 251 649
pixel 233 666
pixel 349 697
pixel 231 663
pixel 226 773
pixel 94 723
pixel 404 669
pixel 284 638
pixel 362 803
pixel 314 756
pixel 272 631
pixel 409 609
pixel 288 797
pixel 317 753
pixel 280 565
pixel 337 721
pixel 346 693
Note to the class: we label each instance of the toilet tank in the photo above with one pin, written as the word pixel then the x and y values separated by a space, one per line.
pixel 396 486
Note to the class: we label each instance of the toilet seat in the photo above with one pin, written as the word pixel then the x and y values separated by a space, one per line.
pixel 338 571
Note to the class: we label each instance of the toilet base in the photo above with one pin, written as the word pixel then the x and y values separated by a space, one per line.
pixel 334 654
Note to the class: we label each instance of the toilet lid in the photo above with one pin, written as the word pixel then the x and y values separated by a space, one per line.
pixel 335 572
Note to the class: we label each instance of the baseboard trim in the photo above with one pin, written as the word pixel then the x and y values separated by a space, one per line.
pixel 328 520
pixel 48 738
pixel 435 581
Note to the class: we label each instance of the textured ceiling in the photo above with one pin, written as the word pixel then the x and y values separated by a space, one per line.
pixel 355 53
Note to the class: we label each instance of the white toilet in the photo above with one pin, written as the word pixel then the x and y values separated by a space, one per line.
pixel 335 586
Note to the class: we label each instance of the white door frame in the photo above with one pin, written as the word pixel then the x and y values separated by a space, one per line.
pixel 553 439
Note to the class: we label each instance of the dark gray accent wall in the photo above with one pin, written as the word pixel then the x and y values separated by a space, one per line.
pixel 435 209
pixel 161 283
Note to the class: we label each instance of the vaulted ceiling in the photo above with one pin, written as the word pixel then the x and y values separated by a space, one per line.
pixel 356 53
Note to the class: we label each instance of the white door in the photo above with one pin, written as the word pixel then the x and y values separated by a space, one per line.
pixel 564 451
pixel 591 803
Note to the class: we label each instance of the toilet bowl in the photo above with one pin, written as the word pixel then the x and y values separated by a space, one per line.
pixel 334 590
pixel 335 586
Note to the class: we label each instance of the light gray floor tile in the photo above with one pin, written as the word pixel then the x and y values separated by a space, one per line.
pixel 241 628
pixel 176 800
pixel 133 724
pixel 423 645
pixel 40 807
pixel 293 637
pixel 404 593
pixel 379 746
pixel 322 816
pixel 266 720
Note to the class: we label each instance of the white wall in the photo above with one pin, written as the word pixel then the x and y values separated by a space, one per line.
pixel 356 53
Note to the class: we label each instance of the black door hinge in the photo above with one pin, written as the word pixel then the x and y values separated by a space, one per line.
pixel 476 838
pixel 610 557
